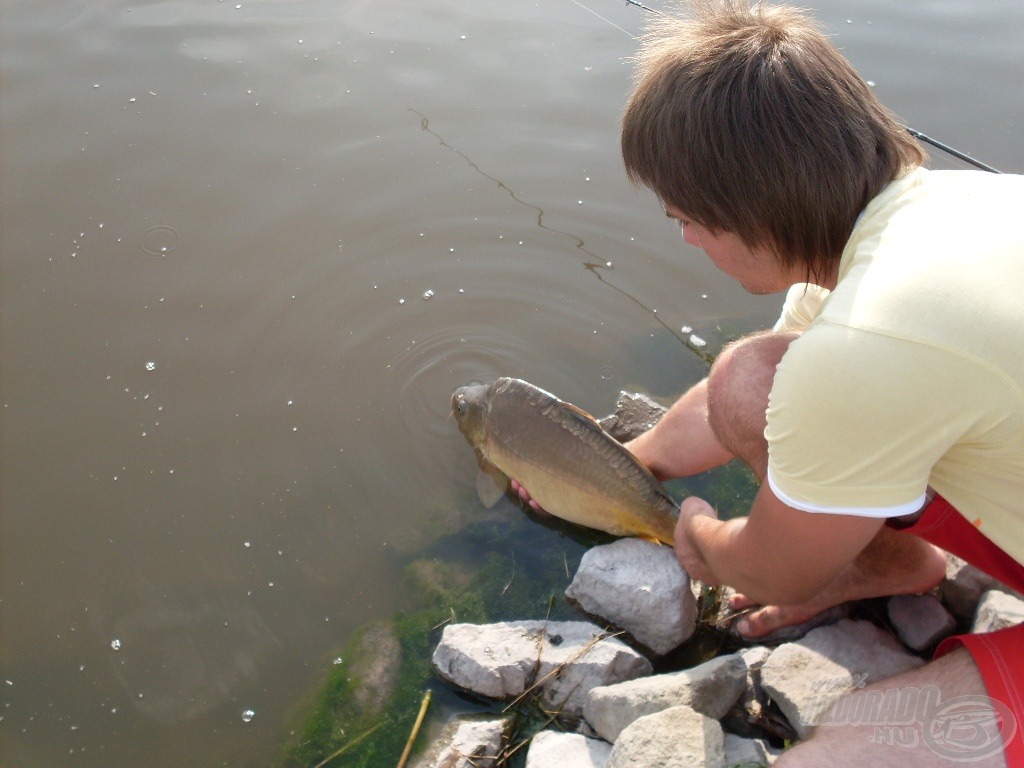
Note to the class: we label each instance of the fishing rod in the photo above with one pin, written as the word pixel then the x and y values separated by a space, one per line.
pixel 950 150
pixel 915 133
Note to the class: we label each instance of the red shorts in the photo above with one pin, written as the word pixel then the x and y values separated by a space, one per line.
pixel 997 654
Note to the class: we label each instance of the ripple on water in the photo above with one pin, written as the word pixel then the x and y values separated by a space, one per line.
pixel 159 240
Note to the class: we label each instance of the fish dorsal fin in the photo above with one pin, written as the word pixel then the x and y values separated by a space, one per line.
pixel 576 420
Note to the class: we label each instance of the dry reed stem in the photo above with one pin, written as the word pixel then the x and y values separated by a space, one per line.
pixel 415 730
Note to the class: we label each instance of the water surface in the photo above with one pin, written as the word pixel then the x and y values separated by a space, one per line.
pixel 250 248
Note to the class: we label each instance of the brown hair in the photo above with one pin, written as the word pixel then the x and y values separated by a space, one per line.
pixel 750 121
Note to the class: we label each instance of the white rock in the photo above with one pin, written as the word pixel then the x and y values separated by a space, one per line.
pixel 710 688
pixel 678 737
pixel 963 587
pixel 551 749
pixel 749 716
pixel 637 586
pixel 564 659
pixel 920 620
pixel 998 610
pixel 804 677
pixel 467 742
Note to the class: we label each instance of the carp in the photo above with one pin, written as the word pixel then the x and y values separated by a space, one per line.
pixel 570 465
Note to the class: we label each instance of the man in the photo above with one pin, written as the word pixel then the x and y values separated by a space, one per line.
pixel 886 410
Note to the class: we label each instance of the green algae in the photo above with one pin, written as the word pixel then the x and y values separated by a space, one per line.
pixel 503 567
pixel 497 572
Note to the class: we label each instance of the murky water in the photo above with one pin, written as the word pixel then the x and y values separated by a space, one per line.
pixel 249 248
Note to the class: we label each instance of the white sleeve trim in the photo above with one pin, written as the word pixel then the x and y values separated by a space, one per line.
pixel 881 512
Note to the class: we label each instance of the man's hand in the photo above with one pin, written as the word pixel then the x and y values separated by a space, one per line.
pixel 688 555
pixel 526 498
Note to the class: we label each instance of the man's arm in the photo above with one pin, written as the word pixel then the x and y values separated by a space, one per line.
pixel 681 443
pixel 777 555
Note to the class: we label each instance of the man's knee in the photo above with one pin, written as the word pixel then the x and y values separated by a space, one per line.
pixel 741 380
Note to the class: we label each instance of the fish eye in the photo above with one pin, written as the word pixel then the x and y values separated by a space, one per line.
pixel 460 403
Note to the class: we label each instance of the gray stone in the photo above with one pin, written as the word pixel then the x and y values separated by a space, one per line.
pixel 963 587
pixel 634 414
pixel 562 660
pixel 751 716
pixel 637 586
pixel 804 677
pixel 678 737
pixel 710 688
pixel 467 742
pixel 998 610
pixel 748 752
pixel 551 749
pixel 921 621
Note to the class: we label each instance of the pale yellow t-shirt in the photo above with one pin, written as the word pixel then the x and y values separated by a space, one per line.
pixel 911 372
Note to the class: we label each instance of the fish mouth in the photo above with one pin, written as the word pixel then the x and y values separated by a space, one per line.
pixel 459 406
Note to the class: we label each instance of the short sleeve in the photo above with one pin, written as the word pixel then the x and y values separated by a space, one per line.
pixel 856 421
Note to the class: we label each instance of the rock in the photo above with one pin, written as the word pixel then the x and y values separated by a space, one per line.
pixel 804 677
pixel 638 586
pixel 998 610
pixel 753 715
pixel 467 742
pixel 963 587
pixel 921 621
pixel 748 752
pixel 634 414
pixel 565 659
pixel 550 749
pixel 710 688
pixel 678 737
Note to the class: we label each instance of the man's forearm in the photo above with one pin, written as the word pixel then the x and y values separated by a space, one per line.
pixel 681 443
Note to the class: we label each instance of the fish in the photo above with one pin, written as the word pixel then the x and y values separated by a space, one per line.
pixel 573 468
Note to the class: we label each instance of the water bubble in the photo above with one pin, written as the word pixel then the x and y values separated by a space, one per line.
pixel 115 644
pixel 151 366
pixel 248 715
pixel 427 294
pixel 159 240
pixel 697 341
pixel 338 660
pixel 686 329
pixel 607 372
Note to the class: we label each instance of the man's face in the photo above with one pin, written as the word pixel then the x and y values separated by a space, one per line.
pixel 756 270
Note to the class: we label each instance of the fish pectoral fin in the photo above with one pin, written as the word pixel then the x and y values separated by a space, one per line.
pixel 491 485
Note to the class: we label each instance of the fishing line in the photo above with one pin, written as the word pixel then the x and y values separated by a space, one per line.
pixel 594 267
pixel 915 133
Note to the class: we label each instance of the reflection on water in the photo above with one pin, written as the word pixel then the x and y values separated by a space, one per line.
pixel 250 248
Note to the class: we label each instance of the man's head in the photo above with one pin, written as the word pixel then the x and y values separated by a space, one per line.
pixel 751 122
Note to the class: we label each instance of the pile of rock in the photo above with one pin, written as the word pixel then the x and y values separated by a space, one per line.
pixel 716 714
pixel 613 711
